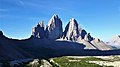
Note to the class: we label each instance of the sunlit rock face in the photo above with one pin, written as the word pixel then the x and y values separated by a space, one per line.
pixel 73 31
pixel 38 30
pixel 54 28
pixel 99 44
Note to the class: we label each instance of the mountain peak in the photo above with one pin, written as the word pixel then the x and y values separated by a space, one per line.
pixel 38 30
pixel 73 21
pixel 54 28
pixel 41 24
pixel 72 30
pixel 55 16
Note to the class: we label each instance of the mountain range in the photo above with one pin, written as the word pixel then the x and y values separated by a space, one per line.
pixel 73 32
pixel 52 41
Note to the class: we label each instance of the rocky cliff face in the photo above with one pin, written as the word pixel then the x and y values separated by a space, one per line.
pixel 73 31
pixel 54 28
pixel 38 30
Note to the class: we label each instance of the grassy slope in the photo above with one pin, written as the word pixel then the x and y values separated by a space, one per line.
pixel 64 62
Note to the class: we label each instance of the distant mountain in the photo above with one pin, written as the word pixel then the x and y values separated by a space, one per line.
pixel 114 41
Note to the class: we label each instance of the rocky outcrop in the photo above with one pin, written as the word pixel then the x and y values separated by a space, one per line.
pixel 54 28
pixel 38 30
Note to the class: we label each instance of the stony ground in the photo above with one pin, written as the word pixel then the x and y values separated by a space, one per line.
pixel 67 61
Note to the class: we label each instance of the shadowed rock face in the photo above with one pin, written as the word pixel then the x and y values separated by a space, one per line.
pixel 11 49
pixel 1 33
pixel 54 28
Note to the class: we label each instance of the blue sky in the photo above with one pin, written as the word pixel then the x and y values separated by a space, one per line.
pixel 101 18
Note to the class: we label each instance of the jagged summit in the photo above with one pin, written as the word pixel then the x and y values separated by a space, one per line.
pixel 53 18
pixel 72 20
pixel 72 30
pixel 54 28
pixel 38 30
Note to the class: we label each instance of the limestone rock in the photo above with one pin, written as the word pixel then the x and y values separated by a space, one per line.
pixel 38 30
pixel 54 28
pixel 73 31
